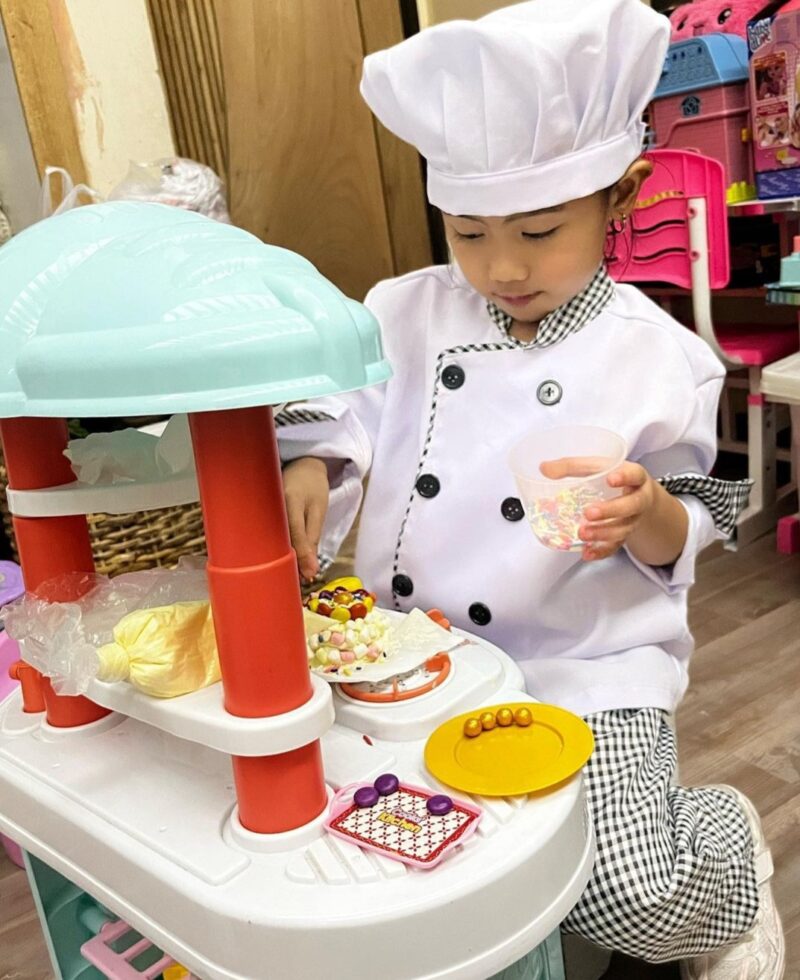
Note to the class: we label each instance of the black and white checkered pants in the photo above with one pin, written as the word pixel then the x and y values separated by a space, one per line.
pixel 674 872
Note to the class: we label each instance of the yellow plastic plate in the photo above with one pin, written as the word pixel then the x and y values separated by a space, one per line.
pixel 514 760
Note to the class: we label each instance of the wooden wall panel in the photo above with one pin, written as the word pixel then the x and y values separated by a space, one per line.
pixel 187 45
pixel 401 167
pixel 304 166
pixel 42 81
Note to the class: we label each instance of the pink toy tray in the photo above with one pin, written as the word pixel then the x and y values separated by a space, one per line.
pixel 399 824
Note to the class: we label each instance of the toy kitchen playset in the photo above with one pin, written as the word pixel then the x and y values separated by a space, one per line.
pixel 422 813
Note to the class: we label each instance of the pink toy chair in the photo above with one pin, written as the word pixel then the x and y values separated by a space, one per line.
pixel 680 236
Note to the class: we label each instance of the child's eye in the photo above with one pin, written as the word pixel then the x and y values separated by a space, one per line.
pixel 468 237
pixel 537 236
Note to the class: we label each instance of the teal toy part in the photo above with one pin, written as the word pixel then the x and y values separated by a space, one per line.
pixel 126 308
pixel 68 916
pixel 790 268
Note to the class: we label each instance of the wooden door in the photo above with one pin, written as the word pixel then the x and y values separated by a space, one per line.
pixel 308 168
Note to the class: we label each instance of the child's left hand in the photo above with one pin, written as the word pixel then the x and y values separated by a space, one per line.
pixel 609 523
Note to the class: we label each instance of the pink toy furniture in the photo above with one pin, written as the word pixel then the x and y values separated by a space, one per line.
pixel 715 123
pixel 680 237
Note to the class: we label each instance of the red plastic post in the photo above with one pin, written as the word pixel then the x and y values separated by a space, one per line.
pixel 48 546
pixel 257 607
pixel 30 683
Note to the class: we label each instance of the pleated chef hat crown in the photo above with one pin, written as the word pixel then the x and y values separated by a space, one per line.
pixel 528 107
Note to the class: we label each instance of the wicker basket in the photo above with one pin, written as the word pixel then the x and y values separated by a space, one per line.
pixel 132 542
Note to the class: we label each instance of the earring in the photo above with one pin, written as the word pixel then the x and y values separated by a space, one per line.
pixel 618 224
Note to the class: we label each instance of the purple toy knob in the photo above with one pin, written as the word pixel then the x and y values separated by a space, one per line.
pixel 366 796
pixel 440 805
pixel 387 784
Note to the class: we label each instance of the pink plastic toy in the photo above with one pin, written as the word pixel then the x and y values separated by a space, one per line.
pixel 717 126
pixel 408 823
pixel 117 965
pixel 713 17
pixel 657 245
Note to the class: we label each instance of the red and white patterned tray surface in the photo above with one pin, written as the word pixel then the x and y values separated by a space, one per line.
pixel 400 826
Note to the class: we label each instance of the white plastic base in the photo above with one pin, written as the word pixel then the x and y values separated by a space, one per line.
pixel 143 821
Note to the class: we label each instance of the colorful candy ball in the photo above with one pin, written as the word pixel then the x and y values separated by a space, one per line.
pixel 488 721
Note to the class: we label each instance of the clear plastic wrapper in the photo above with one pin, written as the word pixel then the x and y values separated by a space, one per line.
pixel 74 642
pixel 130 455
pixel 176 181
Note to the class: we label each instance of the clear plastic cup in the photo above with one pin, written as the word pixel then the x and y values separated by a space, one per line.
pixel 554 507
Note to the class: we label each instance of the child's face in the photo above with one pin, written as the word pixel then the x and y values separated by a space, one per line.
pixel 530 264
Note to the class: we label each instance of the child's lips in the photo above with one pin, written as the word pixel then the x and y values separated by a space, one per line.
pixel 522 300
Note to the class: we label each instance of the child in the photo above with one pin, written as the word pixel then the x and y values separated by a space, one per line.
pixel 530 123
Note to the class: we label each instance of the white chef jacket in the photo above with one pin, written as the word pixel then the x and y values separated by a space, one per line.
pixel 441 524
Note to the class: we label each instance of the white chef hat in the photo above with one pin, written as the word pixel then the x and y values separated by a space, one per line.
pixel 528 107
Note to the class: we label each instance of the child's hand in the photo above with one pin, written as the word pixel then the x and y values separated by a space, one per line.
pixel 609 523
pixel 306 488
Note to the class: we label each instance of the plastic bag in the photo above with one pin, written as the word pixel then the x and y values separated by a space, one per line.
pixel 165 651
pixel 129 455
pixel 70 192
pixel 175 181
pixel 64 640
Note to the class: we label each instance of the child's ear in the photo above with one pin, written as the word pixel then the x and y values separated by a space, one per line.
pixel 626 190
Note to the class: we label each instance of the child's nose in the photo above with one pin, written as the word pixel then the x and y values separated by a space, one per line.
pixel 506 269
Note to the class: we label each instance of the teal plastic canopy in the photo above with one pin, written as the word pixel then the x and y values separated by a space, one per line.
pixel 142 309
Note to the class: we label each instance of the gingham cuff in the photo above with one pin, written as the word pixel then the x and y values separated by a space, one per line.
pixel 725 499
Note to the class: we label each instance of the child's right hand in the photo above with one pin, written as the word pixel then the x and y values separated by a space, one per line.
pixel 306 488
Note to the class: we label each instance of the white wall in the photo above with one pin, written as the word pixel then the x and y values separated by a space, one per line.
pixel 115 87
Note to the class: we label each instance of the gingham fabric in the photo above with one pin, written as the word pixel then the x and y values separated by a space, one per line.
pixel 674 873
pixel 724 499
pixel 300 415
pixel 567 319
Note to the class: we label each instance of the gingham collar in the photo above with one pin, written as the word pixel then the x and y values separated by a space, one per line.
pixel 567 319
